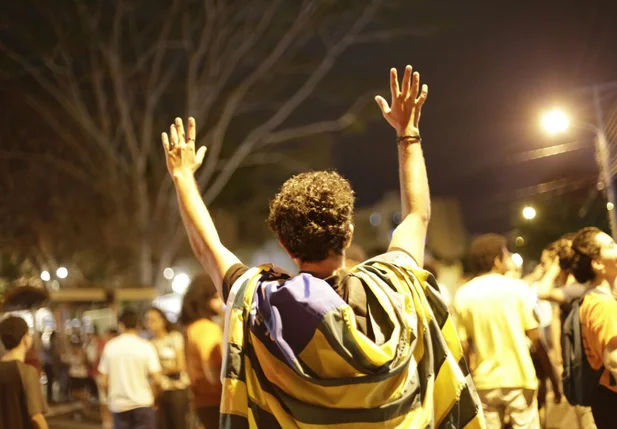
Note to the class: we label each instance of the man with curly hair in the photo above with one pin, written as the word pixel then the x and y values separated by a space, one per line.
pixel 373 345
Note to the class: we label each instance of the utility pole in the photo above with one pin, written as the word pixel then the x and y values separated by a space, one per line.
pixel 602 157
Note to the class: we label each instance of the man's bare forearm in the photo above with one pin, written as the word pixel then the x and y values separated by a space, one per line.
pixel 415 193
pixel 204 238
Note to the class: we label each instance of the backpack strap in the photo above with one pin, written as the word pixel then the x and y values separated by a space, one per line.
pixel 578 303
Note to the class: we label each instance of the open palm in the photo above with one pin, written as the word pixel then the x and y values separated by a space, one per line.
pixel 406 106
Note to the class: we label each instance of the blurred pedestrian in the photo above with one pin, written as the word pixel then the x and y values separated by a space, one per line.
pixel 200 315
pixel 51 365
pixel 594 263
pixel 128 365
pixel 106 417
pixel 496 318
pixel 173 402
pixel 21 400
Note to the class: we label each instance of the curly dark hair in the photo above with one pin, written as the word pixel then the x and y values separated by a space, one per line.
pixel 563 250
pixel 583 251
pixel 484 250
pixel 312 214
pixel 195 304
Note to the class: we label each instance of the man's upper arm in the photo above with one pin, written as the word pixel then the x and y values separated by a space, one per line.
pixel 410 236
pixel 34 397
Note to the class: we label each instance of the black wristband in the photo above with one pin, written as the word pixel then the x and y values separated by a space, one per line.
pixel 416 139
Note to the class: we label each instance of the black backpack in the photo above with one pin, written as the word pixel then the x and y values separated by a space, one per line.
pixel 580 381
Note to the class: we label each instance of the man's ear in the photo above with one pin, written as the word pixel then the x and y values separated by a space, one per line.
pixel 598 266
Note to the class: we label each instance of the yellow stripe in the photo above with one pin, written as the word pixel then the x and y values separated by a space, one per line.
pixel 325 361
pixel 448 386
pixel 364 395
pixel 454 345
pixel 234 399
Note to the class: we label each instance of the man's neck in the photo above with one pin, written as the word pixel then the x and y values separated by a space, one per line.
pixel 18 354
pixel 604 284
pixel 323 269
pixel 130 332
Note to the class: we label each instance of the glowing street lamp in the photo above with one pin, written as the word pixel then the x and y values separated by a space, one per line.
pixel 168 273
pixel 555 121
pixel 180 283
pixel 62 273
pixel 529 213
pixel 45 276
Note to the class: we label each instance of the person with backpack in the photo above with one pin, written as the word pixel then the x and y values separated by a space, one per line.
pixel 370 347
pixel 589 339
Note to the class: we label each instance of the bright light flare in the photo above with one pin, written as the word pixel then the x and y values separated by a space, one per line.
pixel 62 273
pixel 517 259
pixel 610 206
pixel 45 276
pixel 168 273
pixel 529 213
pixel 555 121
pixel 181 283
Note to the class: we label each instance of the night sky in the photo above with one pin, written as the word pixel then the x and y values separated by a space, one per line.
pixel 492 69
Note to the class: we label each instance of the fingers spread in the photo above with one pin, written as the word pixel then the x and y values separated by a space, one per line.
pixel 199 156
pixel 174 135
pixel 192 132
pixel 423 96
pixel 383 105
pixel 394 83
pixel 415 84
pixel 180 130
pixel 406 81
pixel 165 140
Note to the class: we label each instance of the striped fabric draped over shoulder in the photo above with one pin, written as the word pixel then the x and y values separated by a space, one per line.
pixel 294 357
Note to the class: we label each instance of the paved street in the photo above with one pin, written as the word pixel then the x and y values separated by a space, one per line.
pixel 66 422
pixel 559 417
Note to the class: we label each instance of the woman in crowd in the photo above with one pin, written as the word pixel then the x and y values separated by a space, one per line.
pixel 173 405
pixel 78 375
pixel 201 311
pixel 594 263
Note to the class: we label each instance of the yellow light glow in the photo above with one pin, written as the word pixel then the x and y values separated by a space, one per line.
pixel 555 121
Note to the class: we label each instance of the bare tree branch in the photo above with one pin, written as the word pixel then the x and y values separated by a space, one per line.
pixel 292 103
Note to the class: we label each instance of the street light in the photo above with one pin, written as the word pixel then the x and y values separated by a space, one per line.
pixel 180 283
pixel 62 272
pixel 529 213
pixel 45 276
pixel 168 273
pixel 556 121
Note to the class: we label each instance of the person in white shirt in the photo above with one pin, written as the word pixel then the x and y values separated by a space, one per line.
pixel 496 319
pixel 128 365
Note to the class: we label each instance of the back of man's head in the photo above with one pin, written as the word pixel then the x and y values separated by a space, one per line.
pixel 486 251
pixel 12 331
pixel 312 215
pixel 129 319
